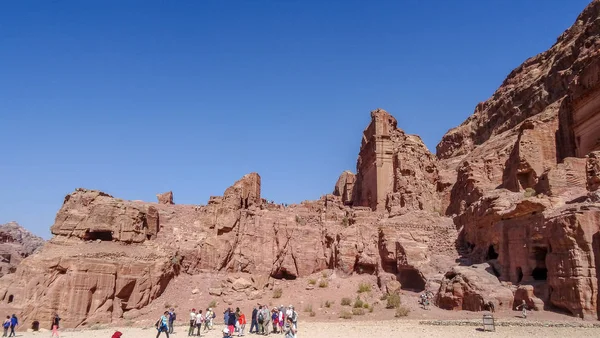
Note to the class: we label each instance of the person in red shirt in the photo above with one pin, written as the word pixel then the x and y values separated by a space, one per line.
pixel 242 323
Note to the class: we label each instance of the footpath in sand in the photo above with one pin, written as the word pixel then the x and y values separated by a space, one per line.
pixel 352 329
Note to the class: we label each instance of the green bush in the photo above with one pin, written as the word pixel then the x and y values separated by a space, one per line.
pixel 212 304
pixel 328 304
pixel 346 301
pixel 358 303
pixel 358 312
pixel 346 315
pixel 312 281
pixel 323 284
pixel 366 305
pixel 402 311
pixel 277 293
pixel 393 301
pixel 308 308
pixel 529 192
pixel 312 314
pixel 364 287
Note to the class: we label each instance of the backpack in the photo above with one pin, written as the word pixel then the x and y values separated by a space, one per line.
pixel 214 315
pixel 261 318
pixel 6 324
pixel 173 316
pixel 294 316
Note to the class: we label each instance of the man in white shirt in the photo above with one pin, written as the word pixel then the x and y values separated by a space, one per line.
pixel 192 322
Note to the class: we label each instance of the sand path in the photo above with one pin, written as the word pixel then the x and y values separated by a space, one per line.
pixel 349 329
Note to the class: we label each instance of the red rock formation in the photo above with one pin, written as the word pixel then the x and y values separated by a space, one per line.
pixel 16 243
pixel 529 89
pixel 593 171
pixel 94 215
pixel 471 288
pixel 165 198
pixel 395 171
pixel 504 179
pixel 344 187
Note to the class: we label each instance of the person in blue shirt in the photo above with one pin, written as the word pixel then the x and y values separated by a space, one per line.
pixel 13 323
pixel 162 325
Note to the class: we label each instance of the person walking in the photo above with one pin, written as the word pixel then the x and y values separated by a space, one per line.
pixel 231 320
pixel 290 328
pixel 192 322
pixel 253 321
pixel 14 322
pixel 55 325
pixel 6 325
pixel 242 324
pixel 199 321
pixel 162 325
pixel 267 322
pixel 172 317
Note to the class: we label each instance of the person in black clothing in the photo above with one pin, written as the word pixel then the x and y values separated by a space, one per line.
pixel 231 321
pixel 254 324
pixel 56 321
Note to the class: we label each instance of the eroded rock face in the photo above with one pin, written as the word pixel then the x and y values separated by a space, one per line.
pixel 395 171
pixel 165 198
pixel 470 288
pixel 344 187
pixel 530 88
pixel 593 171
pixel 93 215
pixel 85 289
pixel 16 243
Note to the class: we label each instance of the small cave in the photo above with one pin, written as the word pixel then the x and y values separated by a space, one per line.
pixel 519 274
pixel 35 326
pixel 411 279
pixel 98 235
pixel 11 298
pixel 491 253
pixel 283 274
pixel 368 269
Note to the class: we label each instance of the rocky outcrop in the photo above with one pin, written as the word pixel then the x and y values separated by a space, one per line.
pixel 16 243
pixel 89 288
pixel 94 215
pixel 471 288
pixel 509 191
pixel 165 198
pixel 395 171
pixel 593 171
pixel 344 187
pixel 529 89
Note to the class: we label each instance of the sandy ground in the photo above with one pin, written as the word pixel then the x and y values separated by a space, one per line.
pixel 350 329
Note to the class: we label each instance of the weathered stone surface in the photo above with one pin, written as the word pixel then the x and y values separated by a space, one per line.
pixel 16 243
pixel 344 187
pixel 530 88
pixel 505 190
pixel 470 288
pixel 395 171
pixel 593 171
pixel 85 288
pixel 527 293
pixel 91 215
pixel 165 198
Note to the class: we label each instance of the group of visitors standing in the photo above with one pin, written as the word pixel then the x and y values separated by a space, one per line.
pixel 278 320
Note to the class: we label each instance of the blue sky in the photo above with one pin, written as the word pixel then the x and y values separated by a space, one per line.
pixel 140 97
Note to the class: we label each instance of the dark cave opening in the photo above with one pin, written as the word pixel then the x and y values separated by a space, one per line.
pixel 99 235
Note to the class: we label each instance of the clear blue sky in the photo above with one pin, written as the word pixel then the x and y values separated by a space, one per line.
pixel 140 97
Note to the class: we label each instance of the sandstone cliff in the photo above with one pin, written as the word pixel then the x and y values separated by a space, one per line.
pixel 16 243
pixel 508 210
